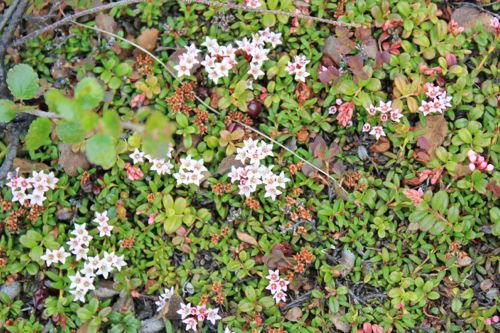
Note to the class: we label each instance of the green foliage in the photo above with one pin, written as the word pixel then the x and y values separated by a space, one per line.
pixel 23 82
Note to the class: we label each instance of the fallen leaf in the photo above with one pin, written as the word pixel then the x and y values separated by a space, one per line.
pixel 468 17
pixel 107 23
pixel 226 164
pixel 494 187
pixel 26 166
pixel 294 314
pixel 381 146
pixel 337 47
pixel 435 132
pixel 246 238
pixel 71 161
pixel 148 38
pixel 169 310
pixel 303 93
pixel 340 325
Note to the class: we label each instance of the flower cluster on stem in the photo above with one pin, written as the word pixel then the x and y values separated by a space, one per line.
pixel 192 315
pixel 438 101
pixel 277 286
pixel 31 190
pixel 250 176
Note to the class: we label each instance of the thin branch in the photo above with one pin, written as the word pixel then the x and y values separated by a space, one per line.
pixel 342 193
pixel 70 18
pixel 73 17
pixel 270 11
pixel 7 14
pixel 11 153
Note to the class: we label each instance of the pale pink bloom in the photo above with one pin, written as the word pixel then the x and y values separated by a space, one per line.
pixel 416 196
pixel 138 100
pixel 372 110
pixel 151 218
pixel 377 131
pixel 367 127
pixel 385 107
pixel 384 117
pixel 133 173
pixel 191 324
pixel 273 276
pixel 345 113
pixel 395 115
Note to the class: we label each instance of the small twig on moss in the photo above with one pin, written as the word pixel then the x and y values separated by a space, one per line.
pixel 270 11
pixel 7 14
pixel 11 153
pixel 298 301
pixel 70 18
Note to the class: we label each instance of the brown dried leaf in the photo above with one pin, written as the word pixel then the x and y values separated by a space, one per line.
pixel 226 164
pixel 107 23
pixel 381 146
pixel 303 93
pixel 435 132
pixel 294 314
pixel 71 161
pixel 148 38
pixel 26 166
pixel 246 238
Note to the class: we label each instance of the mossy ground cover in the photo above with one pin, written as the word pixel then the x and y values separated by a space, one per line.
pixel 178 166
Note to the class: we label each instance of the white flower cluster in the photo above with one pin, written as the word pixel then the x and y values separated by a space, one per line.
pixel 83 281
pixel 162 166
pixel 298 67
pixel 221 59
pixel 277 286
pixel 252 175
pixel 191 315
pixel 167 294
pixel 78 245
pixel 53 256
pixel 39 183
pixel 438 102
pixel 102 220
pixel 190 171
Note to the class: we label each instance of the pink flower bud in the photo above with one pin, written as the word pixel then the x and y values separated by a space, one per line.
pixel 480 159
pixel 472 158
pixel 490 168
pixel 472 166
pixel 495 319
pixel 451 59
pixel 487 321
pixel 483 165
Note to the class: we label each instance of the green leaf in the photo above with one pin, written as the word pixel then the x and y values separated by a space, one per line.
pixel 111 124
pixel 465 135
pixel 23 82
pixel 348 87
pixel 89 93
pixel 101 150
pixel 38 133
pixel 70 132
pixel 171 224
pixel 440 201
pixel 268 20
pixel 84 314
pixel 373 84
pixel 181 120
pixel 7 110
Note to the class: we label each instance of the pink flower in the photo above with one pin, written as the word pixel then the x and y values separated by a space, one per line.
pixel 372 110
pixel 133 173
pixel 138 100
pixel 377 131
pixel 345 113
pixel 151 218
pixel 414 196
pixel 383 117
pixel 454 28
pixel 367 127
pixel 495 319
pixel 487 321
pixel 396 115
